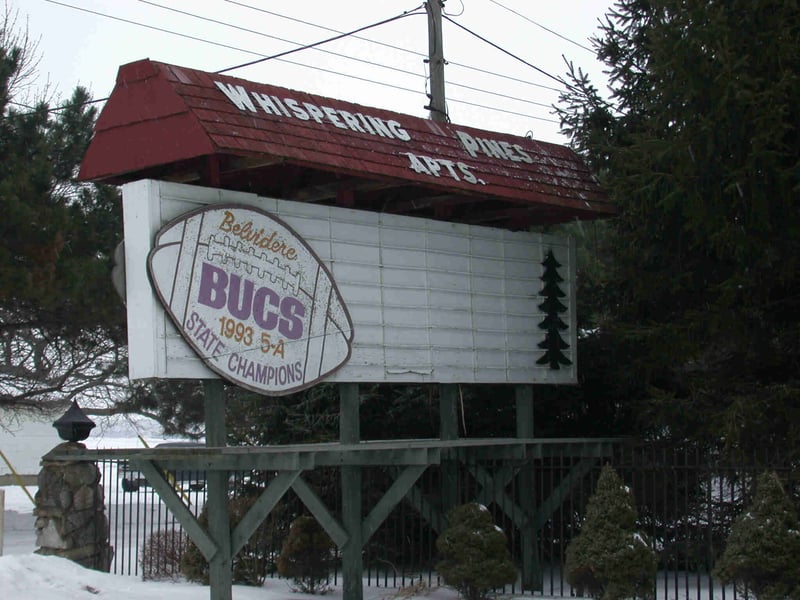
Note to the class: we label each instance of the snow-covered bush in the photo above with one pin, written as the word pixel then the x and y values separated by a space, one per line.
pixel 474 557
pixel 160 557
pixel 610 558
pixel 763 547
pixel 307 556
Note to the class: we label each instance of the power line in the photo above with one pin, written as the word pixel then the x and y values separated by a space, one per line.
pixel 508 77
pixel 147 26
pixel 262 57
pixel 417 92
pixel 339 35
pixel 33 109
pixel 499 94
pixel 345 56
pixel 324 28
pixel 280 39
pixel 503 50
pixel 325 41
pixel 463 8
pixel 387 45
pixel 354 34
pixel 502 110
pixel 547 29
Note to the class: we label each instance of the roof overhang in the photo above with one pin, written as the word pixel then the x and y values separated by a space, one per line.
pixel 183 125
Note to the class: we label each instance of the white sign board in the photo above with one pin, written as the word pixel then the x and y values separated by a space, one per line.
pixel 429 301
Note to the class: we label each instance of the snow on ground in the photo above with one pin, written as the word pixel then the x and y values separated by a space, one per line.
pixel 50 578
pixel 24 574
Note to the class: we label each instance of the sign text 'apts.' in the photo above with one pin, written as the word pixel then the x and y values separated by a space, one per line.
pixel 367 124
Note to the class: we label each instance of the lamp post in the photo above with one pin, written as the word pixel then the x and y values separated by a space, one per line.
pixel 74 425
pixel 70 512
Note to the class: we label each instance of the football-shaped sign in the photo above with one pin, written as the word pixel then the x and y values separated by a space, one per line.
pixel 251 297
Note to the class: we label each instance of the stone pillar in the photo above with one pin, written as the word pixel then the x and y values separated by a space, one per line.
pixel 70 512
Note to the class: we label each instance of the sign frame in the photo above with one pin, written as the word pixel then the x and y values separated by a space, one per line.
pixel 473 292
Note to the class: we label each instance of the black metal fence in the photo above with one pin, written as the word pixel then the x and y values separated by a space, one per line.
pixel 686 499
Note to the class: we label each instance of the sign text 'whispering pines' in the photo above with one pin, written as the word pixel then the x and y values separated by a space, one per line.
pixel 251 297
pixel 358 122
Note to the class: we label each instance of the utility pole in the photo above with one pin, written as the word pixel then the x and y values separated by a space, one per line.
pixel 437 105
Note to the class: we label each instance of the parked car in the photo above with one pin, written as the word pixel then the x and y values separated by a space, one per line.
pixel 133 480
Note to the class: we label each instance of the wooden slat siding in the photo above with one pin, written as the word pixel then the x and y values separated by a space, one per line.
pixel 419 306
pixel 162 114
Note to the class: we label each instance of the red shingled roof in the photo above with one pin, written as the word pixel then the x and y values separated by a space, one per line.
pixel 174 123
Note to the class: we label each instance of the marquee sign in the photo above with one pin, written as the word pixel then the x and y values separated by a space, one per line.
pixel 323 116
pixel 426 301
pixel 251 298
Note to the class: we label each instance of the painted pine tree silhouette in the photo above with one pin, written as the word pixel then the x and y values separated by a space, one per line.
pixel 553 344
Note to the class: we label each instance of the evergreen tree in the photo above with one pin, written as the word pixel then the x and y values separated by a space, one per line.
pixel 61 324
pixel 610 559
pixel 553 343
pixel 307 556
pixel 698 145
pixel 764 545
pixel 253 562
pixel 473 552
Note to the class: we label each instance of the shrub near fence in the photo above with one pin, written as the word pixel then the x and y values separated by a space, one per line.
pixel 686 499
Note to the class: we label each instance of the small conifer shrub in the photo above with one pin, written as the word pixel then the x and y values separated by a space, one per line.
pixel 251 564
pixel 307 556
pixel 763 547
pixel 610 559
pixel 160 558
pixel 474 557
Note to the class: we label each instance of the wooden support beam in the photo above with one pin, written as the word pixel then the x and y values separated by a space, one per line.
pixel 524 399
pixel 349 414
pixel 493 490
pixel 292 457
pixel 448 430
pixel 262 507
pixel 427 511
pixel 351 454
pixel 350 433
pixel 448 412
pixel 556 498
pixel 21 480
pixel 166 491
pixel 532 577
pixel 219 528
pixel 321 513
pixel 396 492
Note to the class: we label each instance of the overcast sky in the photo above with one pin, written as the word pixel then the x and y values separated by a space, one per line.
pixel 507 88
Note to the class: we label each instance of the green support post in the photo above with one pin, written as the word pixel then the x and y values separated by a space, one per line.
pixel 531 569
pixel 448 430
pixel 350 433
pixel 219 529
